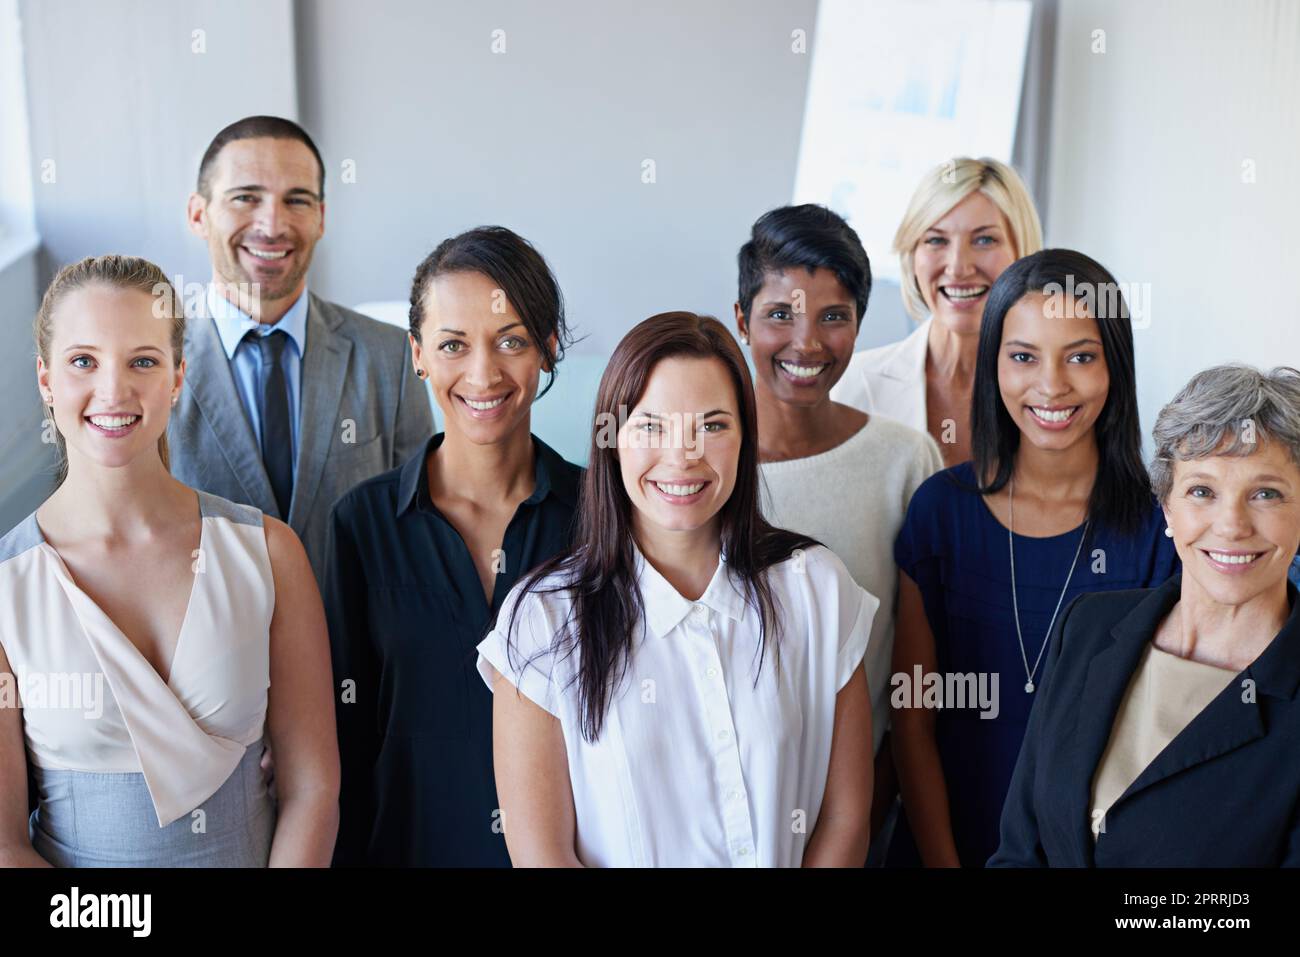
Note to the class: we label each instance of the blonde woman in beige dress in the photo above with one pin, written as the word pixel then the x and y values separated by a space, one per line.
pixel 154 637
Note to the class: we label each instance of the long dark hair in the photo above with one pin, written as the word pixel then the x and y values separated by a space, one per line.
pixel 1121 495
pixel 600 571
pixel 518 269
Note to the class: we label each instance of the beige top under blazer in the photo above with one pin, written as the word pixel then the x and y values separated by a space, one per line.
pixel 1164 695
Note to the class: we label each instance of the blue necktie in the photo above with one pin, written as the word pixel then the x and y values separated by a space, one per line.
pixel 277 432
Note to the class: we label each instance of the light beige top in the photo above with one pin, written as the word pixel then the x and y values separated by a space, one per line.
pixel 853 499
pixel 91 700
pixel 1164 695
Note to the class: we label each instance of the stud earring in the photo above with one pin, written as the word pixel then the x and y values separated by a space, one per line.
pixel 1169 532
pixel 420 373
pixel 744 338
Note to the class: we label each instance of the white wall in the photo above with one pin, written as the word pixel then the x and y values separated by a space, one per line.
pixel 123 105
pixel 122 99
pixel 24 476
pixel 548 138
pixel 26 463
pixel 15 173
pixel 1148 144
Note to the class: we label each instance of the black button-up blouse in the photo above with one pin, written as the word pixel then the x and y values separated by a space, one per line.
pixel 406 609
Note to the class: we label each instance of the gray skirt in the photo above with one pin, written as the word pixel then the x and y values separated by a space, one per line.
pixel 91 819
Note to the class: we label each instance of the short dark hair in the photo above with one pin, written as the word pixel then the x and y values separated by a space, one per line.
pixel 255 127
pixel 810 236
pixel 518 269
pixel 1121 495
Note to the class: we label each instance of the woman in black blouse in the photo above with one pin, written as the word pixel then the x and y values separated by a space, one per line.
pixel 420 559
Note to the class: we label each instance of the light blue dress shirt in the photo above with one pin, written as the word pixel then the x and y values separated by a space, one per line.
pixel 246 360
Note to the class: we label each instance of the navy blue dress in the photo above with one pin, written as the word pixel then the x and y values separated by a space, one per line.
pixel 956 551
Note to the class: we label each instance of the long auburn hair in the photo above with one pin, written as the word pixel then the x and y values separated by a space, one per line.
pixel 599 571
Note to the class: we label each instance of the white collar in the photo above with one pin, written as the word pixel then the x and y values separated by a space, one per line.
pixel 665 607
pixel 908 360
pixel 232 322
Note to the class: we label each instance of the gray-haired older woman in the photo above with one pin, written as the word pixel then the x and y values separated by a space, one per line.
pixel 1168 726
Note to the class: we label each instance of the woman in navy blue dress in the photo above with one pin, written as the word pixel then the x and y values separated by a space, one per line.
pixel 1055 503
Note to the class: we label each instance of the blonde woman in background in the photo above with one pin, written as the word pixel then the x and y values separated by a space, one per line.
pixel 190 627
pixel 968 220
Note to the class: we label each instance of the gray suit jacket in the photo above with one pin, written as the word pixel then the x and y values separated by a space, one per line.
pixel 363 411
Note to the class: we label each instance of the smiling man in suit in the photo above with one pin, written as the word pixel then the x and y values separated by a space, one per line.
pixel 289 400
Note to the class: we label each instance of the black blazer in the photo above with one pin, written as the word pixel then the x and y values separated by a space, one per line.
pixel 1224 793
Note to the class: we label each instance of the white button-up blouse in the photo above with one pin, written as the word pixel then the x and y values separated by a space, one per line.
pixel 701 761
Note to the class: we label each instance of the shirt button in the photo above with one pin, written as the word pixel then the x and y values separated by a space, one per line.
pixel 733 795
pixel 712 672
pixel 701 612
pixel 744 851
pixel 724 734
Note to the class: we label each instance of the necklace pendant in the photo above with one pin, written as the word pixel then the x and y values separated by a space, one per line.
pixel 1029 687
